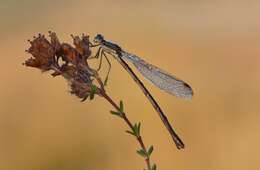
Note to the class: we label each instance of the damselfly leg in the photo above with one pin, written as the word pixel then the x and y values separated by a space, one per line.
pixel 109 65
pixel 93 45
pixel 100 63
pixel 101 53
pixel 97 54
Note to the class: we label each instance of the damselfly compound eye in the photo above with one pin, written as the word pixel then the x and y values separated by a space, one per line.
pixel 99 38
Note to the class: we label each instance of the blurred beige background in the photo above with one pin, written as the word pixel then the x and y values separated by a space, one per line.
pixel 213 45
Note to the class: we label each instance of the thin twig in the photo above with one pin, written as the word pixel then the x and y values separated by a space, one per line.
pixel 139 138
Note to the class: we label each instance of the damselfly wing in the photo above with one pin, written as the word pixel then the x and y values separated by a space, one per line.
pixel 160 78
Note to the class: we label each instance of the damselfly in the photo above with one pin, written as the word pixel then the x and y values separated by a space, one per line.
pixel 157 76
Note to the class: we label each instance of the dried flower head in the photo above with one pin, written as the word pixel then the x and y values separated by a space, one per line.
pixel 74 68
pixel 82 45
pixel 55 42
pixel 43 53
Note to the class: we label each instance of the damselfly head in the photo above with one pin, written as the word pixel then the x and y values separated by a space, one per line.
pixel 99 38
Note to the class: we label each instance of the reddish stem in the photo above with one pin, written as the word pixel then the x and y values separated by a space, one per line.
pixel 139 138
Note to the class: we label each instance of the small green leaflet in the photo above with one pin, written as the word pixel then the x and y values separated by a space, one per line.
pixel 92 92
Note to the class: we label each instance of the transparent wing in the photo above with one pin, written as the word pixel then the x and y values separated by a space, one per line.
pixel 160 78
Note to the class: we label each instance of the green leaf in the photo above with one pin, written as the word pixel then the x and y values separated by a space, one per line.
pixel 142 153
pixel 105 82
pixel 85 98
pixel 66 76
pixel 116 113
pixel 150 150
pixel 136 129
pixel 154 167
pixel 91 96
pixel 92 92
pixel 130 132
pixel 121 106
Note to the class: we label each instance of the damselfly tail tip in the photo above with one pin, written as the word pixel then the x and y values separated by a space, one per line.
pixel 178 142
pixel 180 147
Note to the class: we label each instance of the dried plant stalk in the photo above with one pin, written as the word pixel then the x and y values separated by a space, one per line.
pixel 70 62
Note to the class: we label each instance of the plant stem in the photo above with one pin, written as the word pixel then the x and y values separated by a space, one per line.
pixel 139 138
